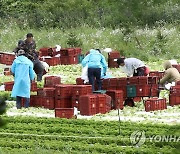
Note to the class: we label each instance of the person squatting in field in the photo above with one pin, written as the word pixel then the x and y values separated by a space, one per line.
pixel 95 62
pixel 22 69
pixel 133 66
pixel 29 46
pixel 171 75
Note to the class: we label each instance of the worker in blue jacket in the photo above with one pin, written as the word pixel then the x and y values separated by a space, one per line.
pixel 22 69
pixel 95 62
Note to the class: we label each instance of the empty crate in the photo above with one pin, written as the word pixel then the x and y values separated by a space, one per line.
pixel 153 104
pixel 64 113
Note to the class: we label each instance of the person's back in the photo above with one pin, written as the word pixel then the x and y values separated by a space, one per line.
pixel 136 63
pixel 171 75
pixel 94 59
pixel 22 69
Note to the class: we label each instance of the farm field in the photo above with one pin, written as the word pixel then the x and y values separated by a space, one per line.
pixel 36 130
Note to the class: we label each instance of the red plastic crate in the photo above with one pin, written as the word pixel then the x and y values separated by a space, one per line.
pixel 113 82
pixel 78 51
pixel 51 61
pixel 153 104
pixel 153 80
pixel 112 63
pixel 154 90
pixel 48 102
pixel 63 103
pixel 114 54
pixel 79 81
pixel 143 80
pixel 105 84
pixel 88 104
pixel 174 99
pixel 47 92
pixel 8 85
pixel 175 89
pixel 159 74
pixel 78 90
pixel 103 103
pixel 122 81
pixel 124 89
pixel 68 60
pixel 177 83
pixel 33 86
pixel 51 81
pixel 36 101
pixel 43 51
pixel 177 67
pixel 133 80
pixel 68 52
pixel 142 90
pixel 117 98
pixel 64 113
pixel 7 58
pixel 63 90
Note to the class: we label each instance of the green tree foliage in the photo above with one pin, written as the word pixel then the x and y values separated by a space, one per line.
pixel 74 13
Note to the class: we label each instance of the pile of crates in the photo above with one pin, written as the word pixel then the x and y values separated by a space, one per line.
pixel 65 56
pixel 174 96
pixel 153 104
pixel 112 59
pixel 7 58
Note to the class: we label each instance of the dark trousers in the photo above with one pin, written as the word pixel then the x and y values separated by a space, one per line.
pixel 39 69
pixel 95 73
pixel 19 101
pixel 139 71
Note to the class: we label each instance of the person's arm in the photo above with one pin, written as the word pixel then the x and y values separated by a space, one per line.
pixel 104 64
pixel 13 67
pixel 165 78
pixel 85 60
pixel 31 72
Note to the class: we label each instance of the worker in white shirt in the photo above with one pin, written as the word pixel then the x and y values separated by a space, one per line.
pixel 133 67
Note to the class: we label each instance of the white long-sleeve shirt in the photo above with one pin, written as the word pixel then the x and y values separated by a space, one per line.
pixel 132 64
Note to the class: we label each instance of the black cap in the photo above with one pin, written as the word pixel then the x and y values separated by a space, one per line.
pixel 120 61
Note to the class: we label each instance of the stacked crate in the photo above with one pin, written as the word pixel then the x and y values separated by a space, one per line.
pixel 63 96
pixel 70 55
pixel 51 81
pixel 79 90
pixel 112 59
pixel 7 58
pixel 174 96
pixel 154 104
pixel 103 103
pixel 46 96
pixel 133 86
pixel 158 74
pixel 50 56
pixel 92 104
pixel 117 98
